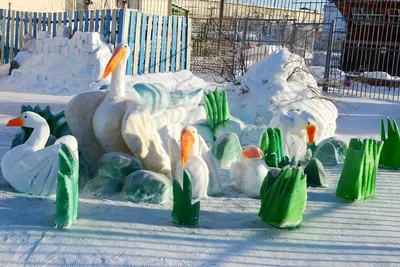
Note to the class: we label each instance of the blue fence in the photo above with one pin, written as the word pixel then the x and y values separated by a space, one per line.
pixel 158 43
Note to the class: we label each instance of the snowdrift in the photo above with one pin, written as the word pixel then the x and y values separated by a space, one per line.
pixel 278 83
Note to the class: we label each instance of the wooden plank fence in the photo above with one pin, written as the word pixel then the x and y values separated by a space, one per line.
pixel 158 43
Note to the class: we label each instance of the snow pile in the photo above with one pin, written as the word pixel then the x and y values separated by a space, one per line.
pixel 278 83
pixel 61 65
pixel 380 75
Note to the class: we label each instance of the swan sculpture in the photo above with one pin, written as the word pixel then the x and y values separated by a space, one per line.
pixel 194 156
pixel 297 128
pixel 31 167
pixel 248 174
pixel 114 121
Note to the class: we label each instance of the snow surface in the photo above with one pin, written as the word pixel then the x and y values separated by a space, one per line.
pixel 120 233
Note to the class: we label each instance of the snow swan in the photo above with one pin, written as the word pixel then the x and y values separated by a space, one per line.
pixel 31 167
pixel 296 127
pixel 114 121
pixel 248 174
pixel 194 156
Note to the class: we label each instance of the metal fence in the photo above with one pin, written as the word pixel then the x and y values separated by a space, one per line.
pixel 363 59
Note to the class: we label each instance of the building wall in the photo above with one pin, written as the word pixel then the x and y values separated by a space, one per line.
pixel 36 5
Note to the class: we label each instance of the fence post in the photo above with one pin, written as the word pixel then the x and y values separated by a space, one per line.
pixel 328 57
pixel 188 43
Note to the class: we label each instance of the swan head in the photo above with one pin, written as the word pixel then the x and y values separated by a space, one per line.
pixel 120 56
pixel 252 152
pixel 304 121
pixel 27 119
pixel 188 140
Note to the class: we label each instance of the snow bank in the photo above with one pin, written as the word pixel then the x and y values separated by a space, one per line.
pixel 278 83
pixel 60 65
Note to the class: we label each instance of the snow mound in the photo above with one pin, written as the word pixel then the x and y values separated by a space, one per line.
pixel 278 83
pixel 62 66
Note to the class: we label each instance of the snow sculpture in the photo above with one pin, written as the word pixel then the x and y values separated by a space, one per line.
pixel 358 178
pixel 315 173
pixel 217 108
pixel 283 198
pixel 183 211
pixel 147 187
pixel 67 188
pixel 121 122
pixel 330 151
pixel 194 156
pixel 271 146
pixel 31 167
pixel 296 127
pixel 279 82
pixel 248 174
pixel 390 155
pixel 226 150
pixel 57 124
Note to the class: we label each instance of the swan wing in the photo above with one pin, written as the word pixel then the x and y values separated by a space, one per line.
pixel 215 186
pixel 143 139
pixel 79 114
pixel 174 154
pixel 36 173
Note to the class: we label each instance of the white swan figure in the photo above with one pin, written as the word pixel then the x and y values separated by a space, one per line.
pixel 297 129
pixel 194 156
pixel 31 167
pixel 114 121
pixel 248 174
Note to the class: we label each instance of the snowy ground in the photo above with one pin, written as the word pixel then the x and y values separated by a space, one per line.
pixel 118 233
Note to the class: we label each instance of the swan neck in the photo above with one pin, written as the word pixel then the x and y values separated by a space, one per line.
pixel 117 87
pixel 39 136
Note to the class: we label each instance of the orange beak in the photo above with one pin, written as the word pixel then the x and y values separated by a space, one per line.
pixel 117 57
pixel 16 122
pixel 252 152
pixel 311 133
pixel 187 141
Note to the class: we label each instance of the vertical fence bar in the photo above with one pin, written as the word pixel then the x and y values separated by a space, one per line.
pixel 114 26
pixel 328 58
pixel 2 20
pixel 158 45
pixel 65 18
pixel 44 16
pixel 21 29
pixel 92 20
pixel 153 44
pixel 120 26
pixel 76 15
pixel 11 54
pixel 178 44
pixel 148 44
pixel 86 26
pixel 96 21
pixel 54 24
pixel 49 23
pixel 30 21
pixel 169 44
pixel 183 47
pixel 102 22
pixel 26 21
pixel 142 44
pixel 34 24
pixel 137 43
pixel 189 44
pixel 174 41
pixel 16 40
pixel 164 44
pixel 81 21
pixel 131 41
pixel 107 24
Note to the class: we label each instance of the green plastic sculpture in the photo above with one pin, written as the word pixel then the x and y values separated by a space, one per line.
pixel 183 212
pixel 271 146
pixel 358 178
pixel 284 197
pixel 390 155
pixel 67 189
pixel 217 109
pixel 315 173
pixel 57 123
